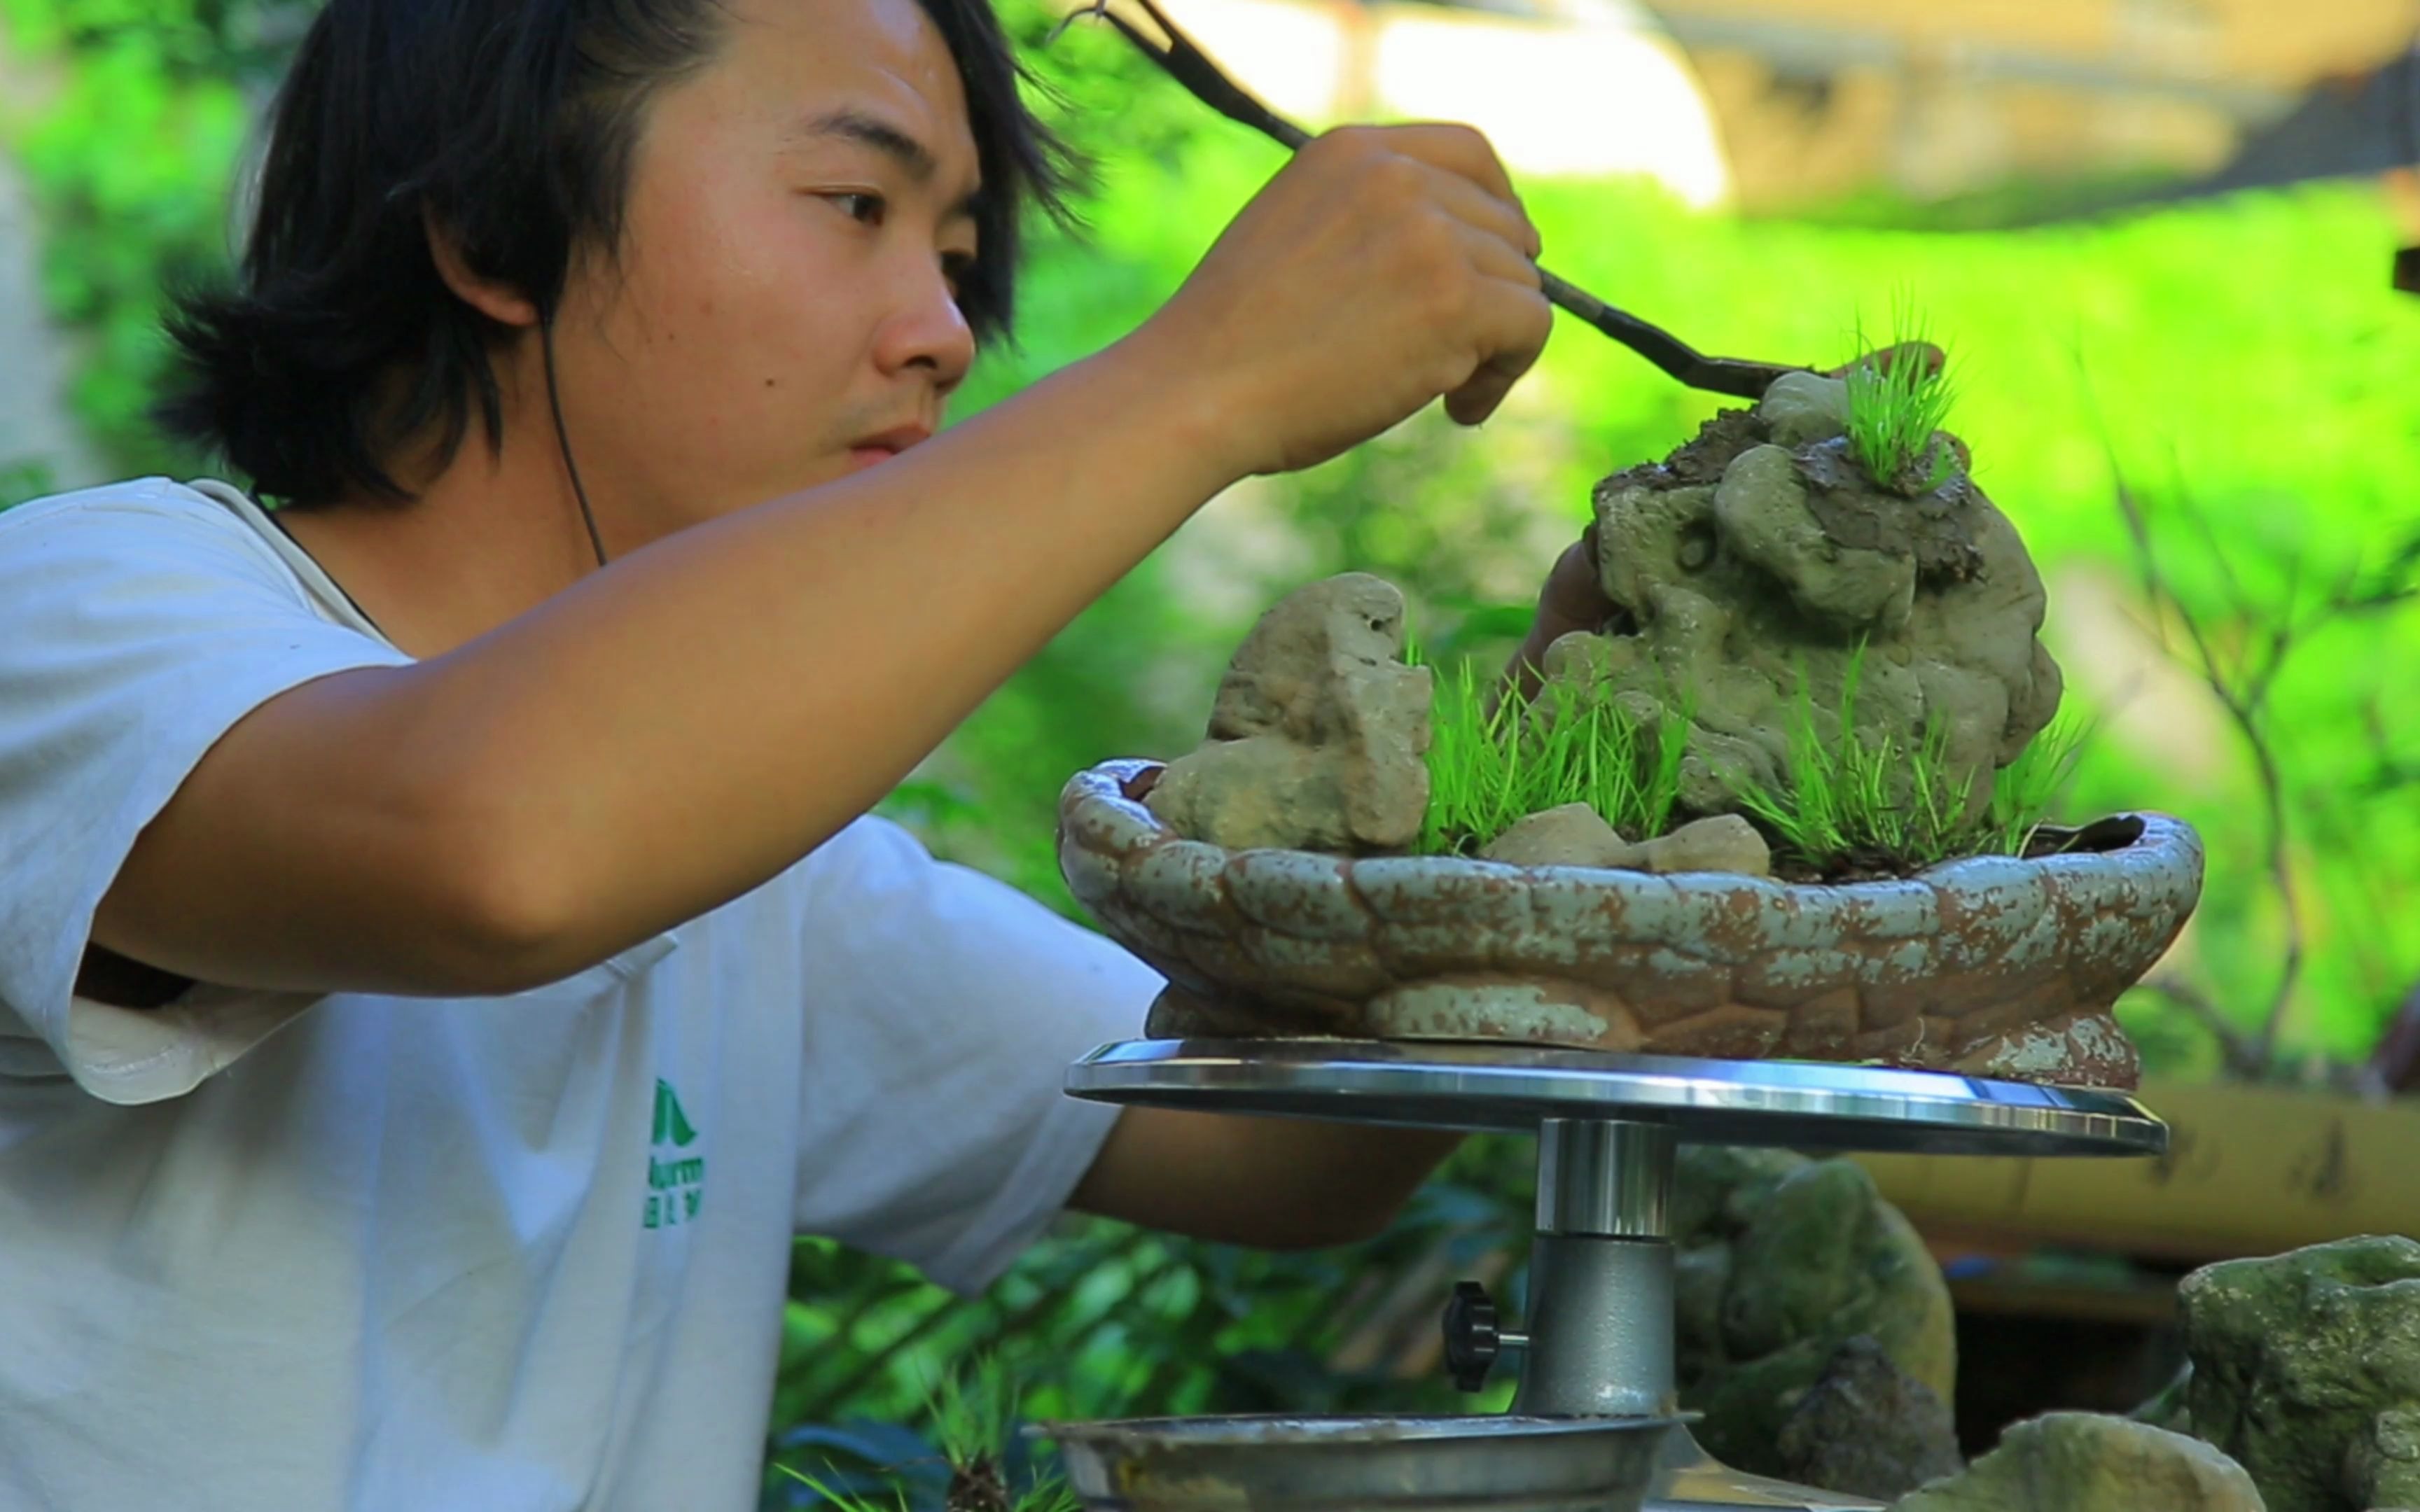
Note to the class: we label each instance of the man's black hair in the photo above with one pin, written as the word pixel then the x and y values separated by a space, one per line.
pixel 512 124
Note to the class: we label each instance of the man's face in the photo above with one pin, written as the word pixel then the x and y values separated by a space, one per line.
pixel 782 310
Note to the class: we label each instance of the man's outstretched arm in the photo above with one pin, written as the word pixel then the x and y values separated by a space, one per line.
pixel 1272 1184
pixel 687 723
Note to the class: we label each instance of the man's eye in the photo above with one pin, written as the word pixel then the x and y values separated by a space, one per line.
pixel 865 208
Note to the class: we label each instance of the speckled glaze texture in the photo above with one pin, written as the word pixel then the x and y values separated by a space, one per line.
pixel 1993 967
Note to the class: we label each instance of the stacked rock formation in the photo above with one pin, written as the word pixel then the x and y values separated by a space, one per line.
pixel 1759 569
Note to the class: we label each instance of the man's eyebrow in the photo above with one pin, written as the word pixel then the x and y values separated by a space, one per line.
pixel 867 130
pixel 872 131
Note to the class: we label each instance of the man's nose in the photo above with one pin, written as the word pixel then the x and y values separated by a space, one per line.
pixel 926 330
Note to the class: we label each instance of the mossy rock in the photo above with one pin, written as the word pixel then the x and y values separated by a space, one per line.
pixel 2074 1462
pixel 1781 1261
pixel 2306 1368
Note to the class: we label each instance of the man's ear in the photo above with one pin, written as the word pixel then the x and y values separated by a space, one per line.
pixel 498 301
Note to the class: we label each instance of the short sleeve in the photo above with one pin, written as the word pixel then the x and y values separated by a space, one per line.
pixel 943 1010
pixel 138 624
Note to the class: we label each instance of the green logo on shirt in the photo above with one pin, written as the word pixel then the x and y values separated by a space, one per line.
pixel 671 1123
pixel 675 1185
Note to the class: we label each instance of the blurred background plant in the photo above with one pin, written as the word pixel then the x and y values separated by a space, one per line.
pixel 2200 412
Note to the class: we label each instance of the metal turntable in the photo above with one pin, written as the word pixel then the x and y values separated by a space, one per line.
pixel 1599 1339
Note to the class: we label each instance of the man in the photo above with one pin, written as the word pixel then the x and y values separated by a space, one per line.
pixel 442 960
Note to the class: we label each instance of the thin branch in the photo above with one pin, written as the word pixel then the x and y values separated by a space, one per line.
pixel 2246 716
pixel 2243 1055
pixel 2281 870
pixel 2237 601
pixel 2394 1066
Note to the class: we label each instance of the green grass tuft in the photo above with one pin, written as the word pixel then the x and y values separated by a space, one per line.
pixel 972 1413
pixel 841 1500
pixel 1896 412
pixel 1887 804
pixel 969 1415
pixel 1849 806
pixel 1880 804
pixel 2023 791
pixel 1491 767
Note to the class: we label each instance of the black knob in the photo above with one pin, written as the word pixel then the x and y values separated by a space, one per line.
pixel 1474 1335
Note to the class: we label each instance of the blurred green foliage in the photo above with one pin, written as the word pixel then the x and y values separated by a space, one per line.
pixel 2243 366
pixel 129 128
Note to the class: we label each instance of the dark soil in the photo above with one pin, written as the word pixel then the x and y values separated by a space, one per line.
pixel 1852 866
pixel 2097 838
pixel 1719 442
pixel 1937 527
pixel 1876 864
pixel 977 1487
pixel 1139 786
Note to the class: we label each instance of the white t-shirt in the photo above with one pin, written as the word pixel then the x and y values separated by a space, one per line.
pixel 264 1251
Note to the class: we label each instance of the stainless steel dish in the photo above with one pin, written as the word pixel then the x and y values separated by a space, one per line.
pixel 1361 1464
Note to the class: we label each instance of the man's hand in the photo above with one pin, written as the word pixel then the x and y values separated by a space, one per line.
pixel 1383 268
pixel 1573 600
pixel 1574 597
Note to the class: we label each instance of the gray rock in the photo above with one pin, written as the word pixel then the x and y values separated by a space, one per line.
pixel 1572 835
pixel 2306 1369
pixel 1318 737
pixel 1726 842
pixel 1868 1428
pixel 2074 1462
pixel 1781 1260
pixel 1802 409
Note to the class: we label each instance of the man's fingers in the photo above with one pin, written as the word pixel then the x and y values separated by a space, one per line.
pixel 1458 150
pixel 1476 208
pixel 1514 321
pixel 1476 402
pixel 1496 258
pixel 1571 599
pixel 1574 596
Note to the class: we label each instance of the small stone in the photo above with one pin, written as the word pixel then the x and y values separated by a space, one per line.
pixel 2075 1463
pixel 1802 409
pixel 1572 835
pixel 1868 1428
pixel 2306 1368
pixel 1726 842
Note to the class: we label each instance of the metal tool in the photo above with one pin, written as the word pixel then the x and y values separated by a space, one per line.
pixel 1192 68
pixel 1599 1339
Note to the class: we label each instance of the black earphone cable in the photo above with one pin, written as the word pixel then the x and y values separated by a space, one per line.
pixel 563 438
